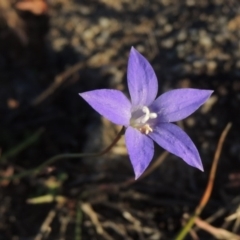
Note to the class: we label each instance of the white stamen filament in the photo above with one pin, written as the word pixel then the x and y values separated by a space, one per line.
pixel 141 123
pixel 152 115
pixel 148 115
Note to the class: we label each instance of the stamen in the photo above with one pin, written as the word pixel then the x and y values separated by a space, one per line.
pixel 147 113
pixel 145 129
pixel 141 122
pixel 152 115
pixel 145 110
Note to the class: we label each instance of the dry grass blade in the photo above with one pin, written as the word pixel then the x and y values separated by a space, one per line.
pixel 236 217
pixel 45 228
pixel 87 209
pixel 150 169
pixel 218 233
pixel 58 81
pixel 220 212
pixel 13 21
pixel 212 175
pixel 155 164
pixel 209 187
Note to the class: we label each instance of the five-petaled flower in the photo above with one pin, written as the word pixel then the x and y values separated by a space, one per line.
pixel 146 118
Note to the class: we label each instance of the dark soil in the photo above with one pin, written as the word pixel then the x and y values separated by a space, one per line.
pixel 47 59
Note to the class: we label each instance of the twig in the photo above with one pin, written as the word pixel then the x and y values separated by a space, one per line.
pixel 218 233
pixel 209 187
pixel 136 224
pixel 118 228
pixel 58 81
pixel 155 164
pixel 149 170
pixel 64 221
pixel 234 216
pixel 87 209
pixel 220 212
pixel 45 229
pixel 48 198
pixel 13 21
pixel 237 222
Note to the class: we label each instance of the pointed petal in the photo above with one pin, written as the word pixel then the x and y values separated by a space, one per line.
pixel 142 81
pixel 112 104
pixel 140 149
pixel 178 104
pixel 176 141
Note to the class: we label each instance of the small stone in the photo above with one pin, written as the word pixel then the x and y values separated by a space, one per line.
pixel 59 43
pixel 85 10
pixel 75 41
pixel 198 64
pixel 190 3
pixel 12 103
pixel 104 22
pixel 213 121
pixel 223 56
pixel 181 51
pixel 182 36
pixel 234 24
pixel 166 2
pixel 219 38
pixel 190 121
pixel 211 66
pixel 88 34
pixel 209 104
pixel 161 20
pixel 168 43
pixel 206 41
pixel 168 28
pixel 218 2
pixel 194 35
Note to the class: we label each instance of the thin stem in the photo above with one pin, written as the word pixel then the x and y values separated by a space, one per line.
pixel 22 146
pixel 78 224
pixel 209 187
pixel 62 156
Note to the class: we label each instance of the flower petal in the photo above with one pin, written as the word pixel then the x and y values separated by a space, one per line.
pixel 175 140
pixel 178 104
pixel 112 104
pixel 142 81
pixel 140 149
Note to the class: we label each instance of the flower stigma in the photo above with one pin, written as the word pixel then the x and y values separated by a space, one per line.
pixel 140 120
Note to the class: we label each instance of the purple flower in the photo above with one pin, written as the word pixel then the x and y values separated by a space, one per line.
pixel 148 119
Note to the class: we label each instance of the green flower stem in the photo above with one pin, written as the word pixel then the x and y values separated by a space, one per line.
pixel 78 224
pixel 186 228
pixel 56 158
pixel 23 145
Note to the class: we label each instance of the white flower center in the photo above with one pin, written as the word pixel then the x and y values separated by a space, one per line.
pixel 140 119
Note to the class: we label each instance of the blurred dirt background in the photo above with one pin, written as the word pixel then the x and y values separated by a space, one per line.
pixel 52 50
